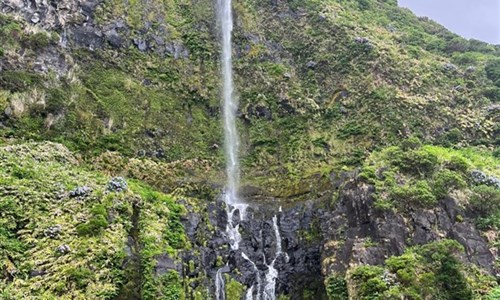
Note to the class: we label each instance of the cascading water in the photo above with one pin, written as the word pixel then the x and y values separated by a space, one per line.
pixel 220 292
pixel 231 146
pixel 231 140
pixel 268 290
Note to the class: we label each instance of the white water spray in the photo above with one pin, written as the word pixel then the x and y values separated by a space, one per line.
pixel 231 148
pixel 231 140
pixel 268 291
pixel 230 104
pixel 258 285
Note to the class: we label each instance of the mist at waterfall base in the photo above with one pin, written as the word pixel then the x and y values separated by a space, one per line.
pixel 265 282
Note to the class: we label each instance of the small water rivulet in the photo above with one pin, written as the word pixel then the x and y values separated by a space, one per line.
pixel 268 290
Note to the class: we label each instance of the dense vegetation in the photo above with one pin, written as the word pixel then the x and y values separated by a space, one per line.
pixel 64 229
pixel 324 86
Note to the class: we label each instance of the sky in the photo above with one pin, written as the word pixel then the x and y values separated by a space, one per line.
pixel 478 19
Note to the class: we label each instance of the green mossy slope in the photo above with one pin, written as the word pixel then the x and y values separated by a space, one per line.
pixel 65 231
pixel 321 84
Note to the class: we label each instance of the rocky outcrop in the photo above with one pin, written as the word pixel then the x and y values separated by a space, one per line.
pixel 75 22
pixel 355 232
pixel 318 240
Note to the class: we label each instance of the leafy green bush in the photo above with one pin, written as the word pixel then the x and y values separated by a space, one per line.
pixel 370 282
pixel 418 161
pixel 234 289
pixel 452 280
pixel 411 143
pixel 485 202
pixel 486 199
pixel 404 267
pixel 457 163
pixel 431 271
pixel 445 180
pixel 416 193
pixel 336 288
pixel 451 137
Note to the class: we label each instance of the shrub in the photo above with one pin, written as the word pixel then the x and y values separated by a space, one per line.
pixel 370 282
pixel 457 163
pixel 445 181
pixel 411 143
pixel 417 161
pixel 418 193
pixel 234 289
pixel 452 279
pixel 451 137
pixel 437 250
pixel 492 69
pixel 336 288
pixel 485 202
pixel 404 266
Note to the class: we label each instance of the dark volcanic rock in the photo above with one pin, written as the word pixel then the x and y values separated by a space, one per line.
pixel 318 240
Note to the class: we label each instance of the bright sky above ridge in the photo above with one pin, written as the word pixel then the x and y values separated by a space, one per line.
pixel 478 19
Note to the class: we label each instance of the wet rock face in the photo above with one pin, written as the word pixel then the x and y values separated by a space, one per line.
pixel 298 265
pixel 318 240
pixel 356 233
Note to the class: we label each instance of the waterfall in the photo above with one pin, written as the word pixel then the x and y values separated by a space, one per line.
pixel 249 294
pixel 231 147
pixel 270 276
pixel 231 140
pixel 230 105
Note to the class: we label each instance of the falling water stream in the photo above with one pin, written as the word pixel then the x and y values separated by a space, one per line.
pixel 265 285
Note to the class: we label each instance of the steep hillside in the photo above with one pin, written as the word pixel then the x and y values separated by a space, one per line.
pixel 68 233
pixel 376 131
pixel 321 83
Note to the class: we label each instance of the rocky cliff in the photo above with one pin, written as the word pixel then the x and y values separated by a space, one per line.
pixel 370 135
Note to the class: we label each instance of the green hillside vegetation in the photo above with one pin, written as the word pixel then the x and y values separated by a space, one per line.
pixel 430 271
pixel 64 229
pixel 98 144
pixel 321 84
